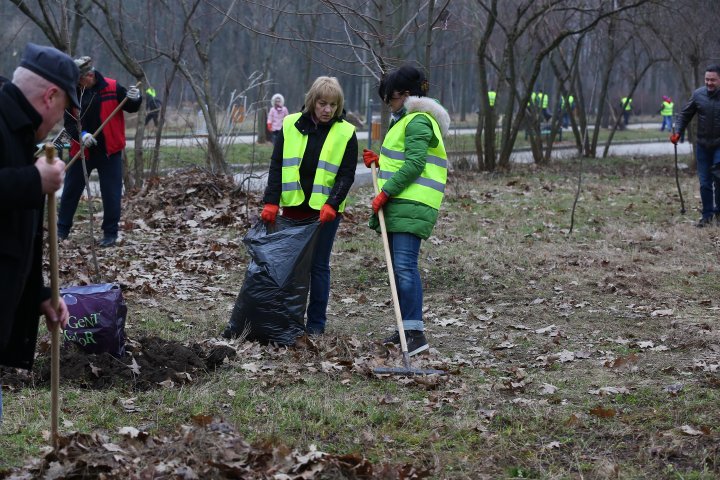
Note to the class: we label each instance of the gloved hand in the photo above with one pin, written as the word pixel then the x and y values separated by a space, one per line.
pixel 87 139
pixel 269 213
pixel 133 93
pixel 675 138
pixel 327 213
pixel 379 201
pixel 269 127
pixel 370 157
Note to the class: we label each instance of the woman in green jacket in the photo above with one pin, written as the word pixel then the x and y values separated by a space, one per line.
pixel 412 175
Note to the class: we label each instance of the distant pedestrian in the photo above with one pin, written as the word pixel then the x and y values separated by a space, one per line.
pixel 705 102
pixel 567 108
pixel 626 108
pixel 666 110
pixel 277 113
pixel 152 105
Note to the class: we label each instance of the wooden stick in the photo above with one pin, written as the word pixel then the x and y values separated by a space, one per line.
pixel 55 302
pixel 100 129
pixel 391 274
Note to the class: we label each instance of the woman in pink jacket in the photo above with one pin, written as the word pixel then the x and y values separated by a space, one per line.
pixel 277 112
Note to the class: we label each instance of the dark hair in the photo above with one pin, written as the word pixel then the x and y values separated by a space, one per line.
pixel 713 68
pixel 405 78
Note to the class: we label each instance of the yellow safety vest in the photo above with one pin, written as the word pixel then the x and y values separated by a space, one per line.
pixel 491 97
pixel 667 109
pixel 570 101
pixel 545 100
pixel 629 103
pixel 429 187
pixel 331 156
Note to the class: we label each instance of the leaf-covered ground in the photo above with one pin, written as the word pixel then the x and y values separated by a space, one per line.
pixel 586 354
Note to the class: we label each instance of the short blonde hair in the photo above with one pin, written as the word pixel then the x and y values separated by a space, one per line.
pixel 325 87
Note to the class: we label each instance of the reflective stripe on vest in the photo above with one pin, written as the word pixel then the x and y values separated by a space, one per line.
pixel 331 156
pixel 667 109
pixel 429 187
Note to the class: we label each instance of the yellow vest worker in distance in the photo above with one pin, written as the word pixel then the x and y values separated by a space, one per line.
pixel 626 107
pixel 413 173
pixel 311 170
pixel 666 110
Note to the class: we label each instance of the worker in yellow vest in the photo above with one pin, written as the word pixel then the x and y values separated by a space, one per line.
pixel 626 108
pixel 311 170
pixel 412 177
pixel 666 110
pixel 566 107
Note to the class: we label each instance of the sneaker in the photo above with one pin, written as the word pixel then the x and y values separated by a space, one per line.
pixel 704 222
pixel 107 242
pixel 394 339
pixel 416 342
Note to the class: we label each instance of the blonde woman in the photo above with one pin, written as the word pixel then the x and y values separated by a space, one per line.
pixel 311 170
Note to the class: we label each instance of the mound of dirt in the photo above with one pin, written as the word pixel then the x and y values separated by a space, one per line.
pixel 149 363
pixel 208 449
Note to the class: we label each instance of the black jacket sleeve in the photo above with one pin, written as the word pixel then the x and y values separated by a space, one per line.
pixel 346 174
pixel 686 114
pixel 274 178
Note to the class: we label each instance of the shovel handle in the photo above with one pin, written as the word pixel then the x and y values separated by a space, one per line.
pixel 55 302
pixel 391 273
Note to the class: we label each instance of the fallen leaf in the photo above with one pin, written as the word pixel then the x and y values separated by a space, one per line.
pixel 130 432
pixel 662 313
pixel 688 430
pixel 609 391
pixel 602 412
pixel 548 389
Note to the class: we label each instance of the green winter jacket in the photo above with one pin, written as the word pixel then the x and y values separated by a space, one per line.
pixel 403 215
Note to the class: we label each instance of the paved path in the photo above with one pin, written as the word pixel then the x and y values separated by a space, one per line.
pixel 363 177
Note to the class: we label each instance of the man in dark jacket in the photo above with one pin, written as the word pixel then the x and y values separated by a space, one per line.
pixel 705 101
pixel 43 86
pixel 99 96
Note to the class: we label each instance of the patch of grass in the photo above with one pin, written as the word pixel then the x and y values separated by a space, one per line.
pixel 501 268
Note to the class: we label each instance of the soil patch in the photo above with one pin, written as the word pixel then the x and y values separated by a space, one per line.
pixel 148 363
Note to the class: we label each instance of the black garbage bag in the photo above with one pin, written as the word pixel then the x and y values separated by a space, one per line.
pixel 271 304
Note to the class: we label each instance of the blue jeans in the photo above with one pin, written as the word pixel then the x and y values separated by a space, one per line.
pixel 320 277
pixel 666 122
pixel 404 251
pixel 709 186
pixel 110 174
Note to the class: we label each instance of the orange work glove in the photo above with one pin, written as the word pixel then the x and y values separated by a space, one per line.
pixel 379 201
pixel 370 157
pixel 327 213
pixel 675 138
pixel 269 213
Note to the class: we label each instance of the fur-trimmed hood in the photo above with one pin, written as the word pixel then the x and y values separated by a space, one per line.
pixel 433 108
pixel 277 96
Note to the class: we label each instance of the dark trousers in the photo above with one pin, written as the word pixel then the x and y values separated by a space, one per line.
pixel 109 170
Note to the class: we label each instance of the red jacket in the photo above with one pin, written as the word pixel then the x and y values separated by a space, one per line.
pixel 114 130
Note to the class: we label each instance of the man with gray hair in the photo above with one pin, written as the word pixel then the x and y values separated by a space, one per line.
pixel 42 87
